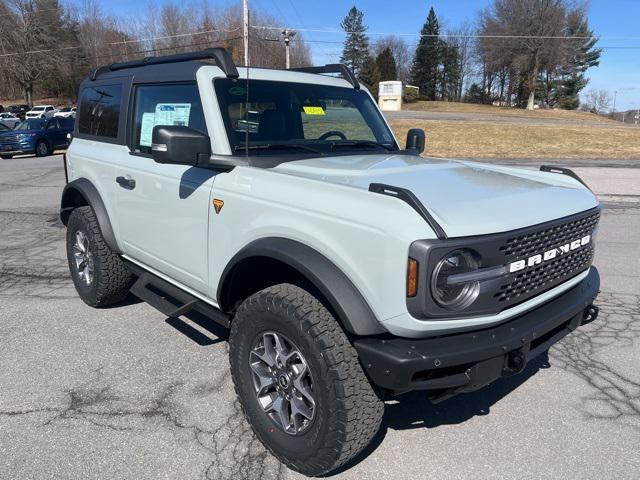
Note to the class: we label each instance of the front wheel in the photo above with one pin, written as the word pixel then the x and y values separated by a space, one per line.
pixel 5 156
pixel 42 148
pixel 299 381
pixel 98 273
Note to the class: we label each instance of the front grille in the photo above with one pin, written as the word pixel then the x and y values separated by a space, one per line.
pixel 539 278
pixel 9 139
pixel 536 242
pixel 535 279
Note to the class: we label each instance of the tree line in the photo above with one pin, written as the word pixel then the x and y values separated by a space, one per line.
pixel 47 47
pixel 517 53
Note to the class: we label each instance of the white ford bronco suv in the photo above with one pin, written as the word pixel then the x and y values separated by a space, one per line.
pixel 280 205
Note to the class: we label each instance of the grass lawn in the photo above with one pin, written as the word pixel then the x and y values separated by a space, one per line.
pixel 456 107
pixel 504 140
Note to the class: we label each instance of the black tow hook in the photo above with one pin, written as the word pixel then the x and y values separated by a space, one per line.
pixel 514 363
pixel 590 314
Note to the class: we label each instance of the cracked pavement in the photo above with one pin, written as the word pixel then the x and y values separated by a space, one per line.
pixel 124 393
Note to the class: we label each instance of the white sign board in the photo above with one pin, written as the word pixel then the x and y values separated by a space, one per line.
pixel 390 89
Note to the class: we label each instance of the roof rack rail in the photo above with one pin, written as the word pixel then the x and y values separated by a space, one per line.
pixel 341 68
pixel 563 171
pixel 220 55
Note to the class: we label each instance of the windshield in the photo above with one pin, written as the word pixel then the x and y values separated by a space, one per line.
pixel 3 127
pixel 37 109
pixel 293 118
pixel 31 124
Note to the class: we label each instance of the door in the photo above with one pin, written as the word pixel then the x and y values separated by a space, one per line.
pixel 55 134
pixel 164 209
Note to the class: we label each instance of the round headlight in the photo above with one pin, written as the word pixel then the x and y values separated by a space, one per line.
pixel 456 295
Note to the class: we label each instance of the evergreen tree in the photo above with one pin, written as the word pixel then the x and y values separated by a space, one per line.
pixel 386 65
pixel 427 58
pixel 356 45
pixel 474 94
pixel 582 55
pixel 370 75
pixel 450 73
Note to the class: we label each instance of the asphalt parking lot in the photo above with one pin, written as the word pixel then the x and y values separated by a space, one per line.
pixel 126 393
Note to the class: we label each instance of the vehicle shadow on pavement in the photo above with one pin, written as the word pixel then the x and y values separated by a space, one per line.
pixel 209 332
pixel 414 410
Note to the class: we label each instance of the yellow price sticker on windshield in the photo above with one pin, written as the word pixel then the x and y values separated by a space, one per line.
pixel 313 110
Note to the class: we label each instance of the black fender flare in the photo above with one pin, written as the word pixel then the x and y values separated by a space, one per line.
pixel 345 299
pixel 82 192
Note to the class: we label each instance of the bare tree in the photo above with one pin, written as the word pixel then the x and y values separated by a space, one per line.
pixel 462 39
pixel 597 101
pixel 400 51
pixel 530 43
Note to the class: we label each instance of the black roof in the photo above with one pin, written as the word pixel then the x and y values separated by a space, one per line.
pixel 185 66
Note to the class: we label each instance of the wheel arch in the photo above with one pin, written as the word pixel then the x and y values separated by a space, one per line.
pixel 79 193
pixel 281 260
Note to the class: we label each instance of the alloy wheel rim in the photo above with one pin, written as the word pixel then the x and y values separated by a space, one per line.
pixel 42 148
pixel 283 383
pixel 83 258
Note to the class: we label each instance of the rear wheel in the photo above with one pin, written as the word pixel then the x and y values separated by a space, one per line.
pixel 98 273
pixel 42 148
pixel 299 381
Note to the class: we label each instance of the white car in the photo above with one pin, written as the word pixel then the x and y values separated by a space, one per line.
pixel 41 111
pixel 346 267
pixel 67 112
pixel 9 119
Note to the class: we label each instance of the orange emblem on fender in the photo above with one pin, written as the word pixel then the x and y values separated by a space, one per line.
pixel 218 204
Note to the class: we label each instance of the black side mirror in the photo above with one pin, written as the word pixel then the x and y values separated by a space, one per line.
pixel 416 140
pixel 180 145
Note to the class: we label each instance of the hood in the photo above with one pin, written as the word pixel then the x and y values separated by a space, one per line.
pixel 465 198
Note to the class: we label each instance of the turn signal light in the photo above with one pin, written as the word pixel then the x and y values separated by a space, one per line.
pixel 412 278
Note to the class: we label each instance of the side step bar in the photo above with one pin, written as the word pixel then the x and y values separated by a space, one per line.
pixel 169 299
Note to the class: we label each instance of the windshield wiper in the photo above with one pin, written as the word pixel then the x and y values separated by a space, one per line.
pixel 360 143
pixel 277 146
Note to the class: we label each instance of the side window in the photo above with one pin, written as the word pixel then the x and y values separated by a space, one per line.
pixel 100 110
pixel 53 124
pixel 49 109
pixel 168 104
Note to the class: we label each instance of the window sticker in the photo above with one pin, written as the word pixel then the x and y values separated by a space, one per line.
pixel 313 110
pixel 165 114
pixel 147 129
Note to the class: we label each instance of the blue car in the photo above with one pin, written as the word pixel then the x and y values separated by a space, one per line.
pixel 40 136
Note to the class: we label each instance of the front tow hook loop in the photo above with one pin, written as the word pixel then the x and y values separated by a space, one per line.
pixel 590 314
pixel 514 363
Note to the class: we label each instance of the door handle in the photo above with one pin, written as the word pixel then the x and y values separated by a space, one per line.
pixel 128 183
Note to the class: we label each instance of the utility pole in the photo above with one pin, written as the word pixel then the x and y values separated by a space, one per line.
pixel 288 35
pixel 245 30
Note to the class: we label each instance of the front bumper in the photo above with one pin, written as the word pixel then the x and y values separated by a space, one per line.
pixel 17 148
pixel 465 362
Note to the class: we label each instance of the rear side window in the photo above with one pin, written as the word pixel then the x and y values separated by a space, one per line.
pixel 100 110
pixel 168 104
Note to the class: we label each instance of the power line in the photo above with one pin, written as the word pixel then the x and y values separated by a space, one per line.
pixel 604 47
pixel 454 35
pixel 124 42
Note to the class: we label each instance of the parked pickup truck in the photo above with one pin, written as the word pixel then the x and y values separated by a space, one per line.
pixel 346 266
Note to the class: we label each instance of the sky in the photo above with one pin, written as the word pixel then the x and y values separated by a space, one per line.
pixel 614 21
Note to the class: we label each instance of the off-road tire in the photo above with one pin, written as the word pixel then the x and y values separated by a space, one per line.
pixel 111 279
pixel 348 410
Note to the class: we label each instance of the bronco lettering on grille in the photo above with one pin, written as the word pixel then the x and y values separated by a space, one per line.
pixel 549 254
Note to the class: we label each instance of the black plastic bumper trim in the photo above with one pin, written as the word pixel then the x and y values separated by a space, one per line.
pixel 468 361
